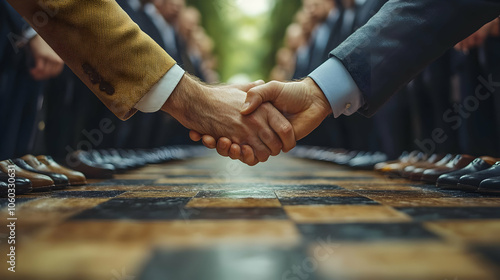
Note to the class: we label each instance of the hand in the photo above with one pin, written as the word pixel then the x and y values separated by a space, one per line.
pixel 215 111
pixel 477 38
pixel 47 63
pixel 303 103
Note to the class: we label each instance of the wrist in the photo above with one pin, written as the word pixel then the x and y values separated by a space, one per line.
pixel 319 96
pixel 180 104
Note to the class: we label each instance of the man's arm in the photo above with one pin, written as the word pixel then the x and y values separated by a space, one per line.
pixel 102 46
pixel 122 65
pixel 403 38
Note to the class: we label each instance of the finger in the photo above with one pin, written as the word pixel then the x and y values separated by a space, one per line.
pixel 261 151
pixel 195 136
pixel 247 87
pixel 209 141
pixel 272 141
pixel 223 146
pixel 261 94
pixel 235 151
pixel 283 128
pixel 248 155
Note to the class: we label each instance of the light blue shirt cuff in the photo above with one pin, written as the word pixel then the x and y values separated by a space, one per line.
pixel 159 93
pixel 339 87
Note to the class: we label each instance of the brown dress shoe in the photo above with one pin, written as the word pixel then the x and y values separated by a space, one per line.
pixel 403 157
pixel 459 162
pixel 39 182
pixel 395 169
pixel 75 178
pixel 431 161
pixel 60 180
pixel 416 174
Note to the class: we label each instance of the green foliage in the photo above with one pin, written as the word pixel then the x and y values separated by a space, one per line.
pixel 245 44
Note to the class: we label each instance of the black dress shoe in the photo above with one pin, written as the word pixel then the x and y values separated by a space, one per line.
pixel 22 185
pixel 459 162
pixel 343 159
pixel 472 181
pixel 450 181
pixel 490 186
pixel 83 162
pixel 367 161
pixel 116 160
pixel 60 180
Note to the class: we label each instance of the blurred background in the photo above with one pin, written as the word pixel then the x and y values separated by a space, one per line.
pixel 238 41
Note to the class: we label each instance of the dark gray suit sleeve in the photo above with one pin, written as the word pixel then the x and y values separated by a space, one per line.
pixel 404 37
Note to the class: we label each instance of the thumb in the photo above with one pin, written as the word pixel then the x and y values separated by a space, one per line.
pixel 247 87
pixel 261 94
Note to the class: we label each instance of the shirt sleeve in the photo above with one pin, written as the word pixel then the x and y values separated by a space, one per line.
pixel 339 87
pixel 159 93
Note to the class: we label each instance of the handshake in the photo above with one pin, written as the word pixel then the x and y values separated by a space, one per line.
pixel 249 122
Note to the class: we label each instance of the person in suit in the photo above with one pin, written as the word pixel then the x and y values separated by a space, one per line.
pixel 327 17
pixel 26 62
pixel 373 63
pixel 128 72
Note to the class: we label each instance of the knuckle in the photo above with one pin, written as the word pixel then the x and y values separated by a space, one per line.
pixel 286 129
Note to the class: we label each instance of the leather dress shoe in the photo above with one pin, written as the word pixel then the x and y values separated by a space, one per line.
pixel 450 180
pixel 402 157
pixel 416 174
pixel 459 162
pixel 22 185
pixel 133 163
pixel 431 161
pixel 83 162
pixel 367 161
pixel 132 155
pixel 343 159
pixel 103 157
pixel 471 182
pixel 395 169
pixel 30 163
pixel 490 186
pixel 75 178
pixel 39 182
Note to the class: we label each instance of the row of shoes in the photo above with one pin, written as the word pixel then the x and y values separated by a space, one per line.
pixel 38 174
pixel 103 164
pixel 43 173
pixel 354 159
pixel 453 172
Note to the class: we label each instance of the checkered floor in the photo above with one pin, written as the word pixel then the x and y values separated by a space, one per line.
pixel 215 219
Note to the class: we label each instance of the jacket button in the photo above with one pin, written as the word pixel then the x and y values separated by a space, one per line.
pixel 94 78
pixel 87 68
pixel 107 88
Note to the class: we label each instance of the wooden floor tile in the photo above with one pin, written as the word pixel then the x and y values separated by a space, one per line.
pixel 344 213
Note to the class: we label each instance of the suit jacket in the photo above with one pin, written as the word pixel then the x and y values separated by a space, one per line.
pixel 102 46
pixel 366 11
pixel 318 56
pixel 404 37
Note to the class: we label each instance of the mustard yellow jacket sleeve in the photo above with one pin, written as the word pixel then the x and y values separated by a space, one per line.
pixel 103 47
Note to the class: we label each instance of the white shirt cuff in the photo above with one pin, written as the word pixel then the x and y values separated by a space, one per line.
pixel 339 87
pixel 159 93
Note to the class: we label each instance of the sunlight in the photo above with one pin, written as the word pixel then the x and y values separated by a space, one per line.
pixel 254 7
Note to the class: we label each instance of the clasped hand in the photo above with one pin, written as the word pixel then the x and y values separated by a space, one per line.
pixel 303 104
